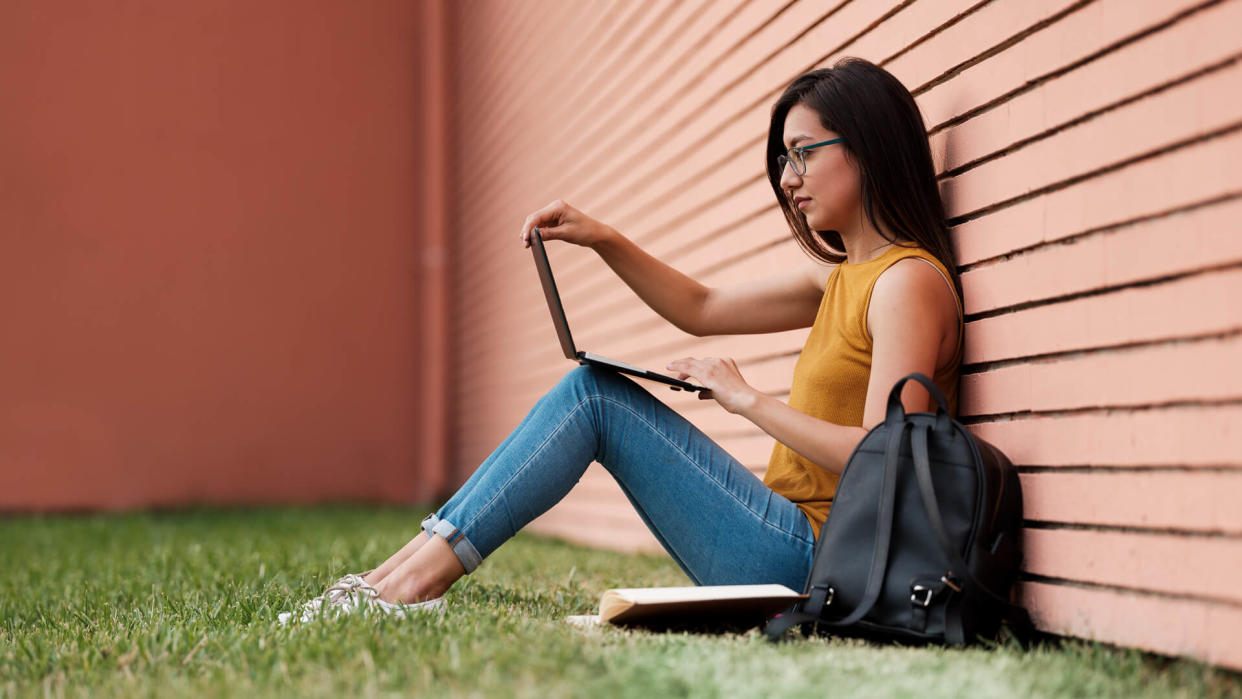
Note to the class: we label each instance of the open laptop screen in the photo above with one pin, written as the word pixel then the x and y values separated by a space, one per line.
pixel 549 292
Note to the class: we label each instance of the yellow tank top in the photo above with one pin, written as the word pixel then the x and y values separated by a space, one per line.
pixel 830 378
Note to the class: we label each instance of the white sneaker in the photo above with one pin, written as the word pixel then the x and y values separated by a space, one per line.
pixel 346 595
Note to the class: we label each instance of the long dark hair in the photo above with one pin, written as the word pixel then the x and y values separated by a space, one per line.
pixel 884 134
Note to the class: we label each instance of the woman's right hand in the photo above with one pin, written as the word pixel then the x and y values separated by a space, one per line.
pixel 560 221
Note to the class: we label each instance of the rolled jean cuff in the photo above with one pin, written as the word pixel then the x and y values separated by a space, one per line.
pixel 466 553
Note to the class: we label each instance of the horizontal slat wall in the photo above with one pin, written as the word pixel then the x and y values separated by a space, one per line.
pixel 1089 153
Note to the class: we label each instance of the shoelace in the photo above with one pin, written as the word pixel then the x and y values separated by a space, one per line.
pixel 339 593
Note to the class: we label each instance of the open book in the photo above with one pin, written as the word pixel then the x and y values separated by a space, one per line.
pixel 735 606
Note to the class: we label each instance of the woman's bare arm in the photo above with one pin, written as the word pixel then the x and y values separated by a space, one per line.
pixel 784 302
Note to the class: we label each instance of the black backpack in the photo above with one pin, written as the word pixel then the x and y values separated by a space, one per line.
pixel 923 540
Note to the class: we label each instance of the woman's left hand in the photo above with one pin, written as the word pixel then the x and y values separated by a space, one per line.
pixel 722 376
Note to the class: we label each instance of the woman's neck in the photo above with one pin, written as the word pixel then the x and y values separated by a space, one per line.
pixel 863 242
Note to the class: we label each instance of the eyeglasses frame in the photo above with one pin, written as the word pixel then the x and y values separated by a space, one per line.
pixel 783 160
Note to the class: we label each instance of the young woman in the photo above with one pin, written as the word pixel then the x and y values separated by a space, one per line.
pixel 848 160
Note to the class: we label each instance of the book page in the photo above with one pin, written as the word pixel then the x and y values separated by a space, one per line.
pixel 628 605
pixel 653 595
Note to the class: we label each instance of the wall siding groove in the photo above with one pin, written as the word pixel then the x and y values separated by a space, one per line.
pixel 1177 532
pixel 990 207
pixel 1141 190
pixel 1032 64
pixel 1148 563
pixel 982 367
pixel 979 130
pixel 1106 410
pixel 1158 595
pixel 1149 220
pixel 1170 276
pixel 657 94
pixel 1177 374
pixel 1172 626
pixel 997 19
pixel 1169 310
pixel 952 12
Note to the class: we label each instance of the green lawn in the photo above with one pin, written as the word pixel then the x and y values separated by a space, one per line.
pixel 186 603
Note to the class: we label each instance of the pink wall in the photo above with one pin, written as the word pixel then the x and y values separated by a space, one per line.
pixel 209 252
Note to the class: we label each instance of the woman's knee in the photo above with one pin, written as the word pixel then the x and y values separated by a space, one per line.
pixel 587 381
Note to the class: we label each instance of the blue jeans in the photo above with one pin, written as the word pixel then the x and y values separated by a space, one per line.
pixel 719 522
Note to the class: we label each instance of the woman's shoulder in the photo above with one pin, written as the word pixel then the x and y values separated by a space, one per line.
pixel 907 253
pixel 915 284
pixel 913 307
pixel 915 270
pixel 912 273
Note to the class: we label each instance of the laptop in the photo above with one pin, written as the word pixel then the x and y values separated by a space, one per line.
pixel 567 341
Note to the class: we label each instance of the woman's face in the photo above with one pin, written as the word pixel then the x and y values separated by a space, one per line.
pixel 829 194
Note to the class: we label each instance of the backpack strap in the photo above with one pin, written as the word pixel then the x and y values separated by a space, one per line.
pixel 1018 617
pixel 776 628
pixel 813 607
pixel 896 412
pixel 884 526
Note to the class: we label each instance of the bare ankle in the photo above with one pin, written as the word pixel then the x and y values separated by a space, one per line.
pixel 384 569
pixel 427 590
pixel 425 575
pixel 411 590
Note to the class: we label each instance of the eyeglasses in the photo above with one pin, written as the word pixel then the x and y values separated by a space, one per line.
pixel 796 157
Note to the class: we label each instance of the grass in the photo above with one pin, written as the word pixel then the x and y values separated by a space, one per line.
pixel 184 603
